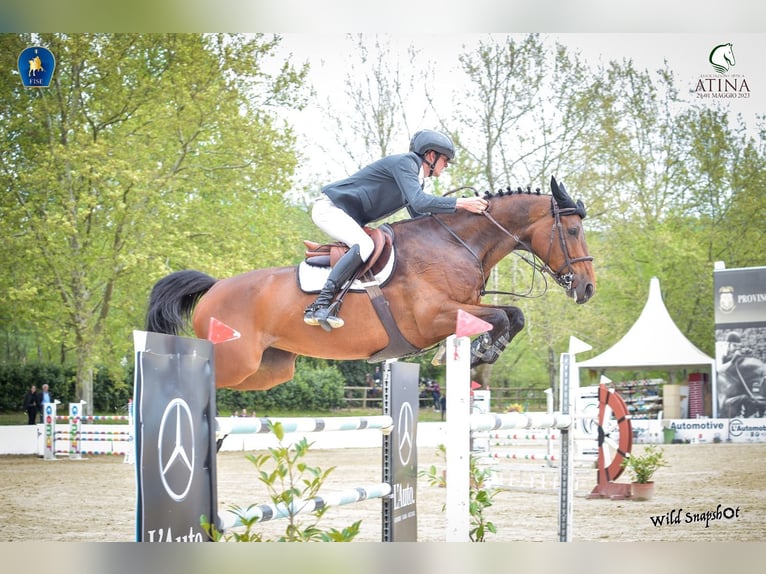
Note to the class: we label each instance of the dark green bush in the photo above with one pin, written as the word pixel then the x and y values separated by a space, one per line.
pixel 109 395
pixel 316 386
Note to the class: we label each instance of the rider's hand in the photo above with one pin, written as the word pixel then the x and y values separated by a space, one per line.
pixel 472 204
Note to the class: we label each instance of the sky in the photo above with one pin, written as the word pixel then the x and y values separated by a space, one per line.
pixel 687 56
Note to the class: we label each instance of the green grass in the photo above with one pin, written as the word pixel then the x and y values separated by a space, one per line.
pixel 19 418
pixel 425 415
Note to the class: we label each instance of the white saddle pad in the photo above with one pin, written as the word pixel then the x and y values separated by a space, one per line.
pixel 311 279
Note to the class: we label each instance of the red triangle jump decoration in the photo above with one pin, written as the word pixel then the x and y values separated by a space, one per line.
pixel 220 332
pixel 468 325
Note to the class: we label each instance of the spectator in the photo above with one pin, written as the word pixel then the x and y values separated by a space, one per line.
pixel 44 398
pixel 436 393
pixel 444 406
pixel 31 404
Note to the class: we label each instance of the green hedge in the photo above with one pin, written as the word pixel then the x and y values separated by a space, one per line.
pixel 314 387
pixel 109 396
pixel 318 385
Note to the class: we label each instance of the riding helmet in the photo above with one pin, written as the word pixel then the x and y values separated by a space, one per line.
pixel 425 140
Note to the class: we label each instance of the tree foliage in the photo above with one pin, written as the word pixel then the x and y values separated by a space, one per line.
pixel 152 153
pixel 148 153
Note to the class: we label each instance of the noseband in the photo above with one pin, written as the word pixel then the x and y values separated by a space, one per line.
pixel 564 275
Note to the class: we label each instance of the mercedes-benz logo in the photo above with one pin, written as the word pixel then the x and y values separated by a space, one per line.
pixel 404 428
pixel 176 460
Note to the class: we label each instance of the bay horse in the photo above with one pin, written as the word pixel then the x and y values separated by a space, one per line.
pixel 442 265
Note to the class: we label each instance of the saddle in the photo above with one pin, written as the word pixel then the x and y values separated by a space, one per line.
pixel 327 254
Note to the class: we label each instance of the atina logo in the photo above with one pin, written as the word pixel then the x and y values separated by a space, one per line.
pixel 726 299
pixel 723 83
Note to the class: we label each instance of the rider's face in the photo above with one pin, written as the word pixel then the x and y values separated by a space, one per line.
pixel 442 162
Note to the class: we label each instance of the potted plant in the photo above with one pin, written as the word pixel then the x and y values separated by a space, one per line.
pixel 641 468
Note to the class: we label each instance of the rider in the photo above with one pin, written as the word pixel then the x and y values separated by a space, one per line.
pixel 374 192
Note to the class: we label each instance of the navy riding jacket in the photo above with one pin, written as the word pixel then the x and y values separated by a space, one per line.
pixel 384 187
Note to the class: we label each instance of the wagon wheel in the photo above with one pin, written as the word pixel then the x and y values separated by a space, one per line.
pixel 615 434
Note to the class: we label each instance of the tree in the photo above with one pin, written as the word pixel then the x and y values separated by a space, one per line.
pixel 141 152
pixel 374 119
pixel 526 115
pixel 668 173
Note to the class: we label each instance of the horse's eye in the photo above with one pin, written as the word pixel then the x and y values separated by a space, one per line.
pixel 573 231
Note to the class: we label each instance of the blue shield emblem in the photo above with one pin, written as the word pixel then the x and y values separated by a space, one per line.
pixel 36 65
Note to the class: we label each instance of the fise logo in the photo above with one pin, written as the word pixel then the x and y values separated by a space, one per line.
pixel 36 66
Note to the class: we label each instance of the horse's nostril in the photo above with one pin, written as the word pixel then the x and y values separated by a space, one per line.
pixel 587 293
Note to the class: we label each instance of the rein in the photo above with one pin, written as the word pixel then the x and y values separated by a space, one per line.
pixel 543 267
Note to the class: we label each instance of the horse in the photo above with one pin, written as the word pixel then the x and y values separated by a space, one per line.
pixel 35 65
pixel 722 58
pixel 442 264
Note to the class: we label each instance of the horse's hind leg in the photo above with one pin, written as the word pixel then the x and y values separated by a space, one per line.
pixel 276 367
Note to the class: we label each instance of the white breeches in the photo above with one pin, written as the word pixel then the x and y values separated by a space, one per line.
pixel 340 226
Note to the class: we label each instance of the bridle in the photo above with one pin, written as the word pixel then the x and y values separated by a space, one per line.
pixel 566 279
pixel 563 276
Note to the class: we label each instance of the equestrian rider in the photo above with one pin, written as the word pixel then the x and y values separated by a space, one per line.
pixel 374 192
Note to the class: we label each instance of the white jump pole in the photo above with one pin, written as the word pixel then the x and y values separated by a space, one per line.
pixel 460 422
pixel 458 437
pixel 459 425
pixel 570 388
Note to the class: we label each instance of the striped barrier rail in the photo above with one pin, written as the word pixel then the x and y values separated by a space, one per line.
pixel 266 512
pixel 256 425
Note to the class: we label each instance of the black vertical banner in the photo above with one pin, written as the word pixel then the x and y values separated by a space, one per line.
pixel 400 464
pixel 174 401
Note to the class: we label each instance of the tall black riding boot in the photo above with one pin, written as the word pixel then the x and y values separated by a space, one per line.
pixel 322 311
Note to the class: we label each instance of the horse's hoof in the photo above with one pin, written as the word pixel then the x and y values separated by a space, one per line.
pixel 440 358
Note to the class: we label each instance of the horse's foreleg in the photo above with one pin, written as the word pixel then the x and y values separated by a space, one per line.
pixel 486 348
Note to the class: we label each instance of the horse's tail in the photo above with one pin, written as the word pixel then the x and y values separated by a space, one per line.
pixel 173 298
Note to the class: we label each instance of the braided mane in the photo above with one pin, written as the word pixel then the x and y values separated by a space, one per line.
pixel 508 191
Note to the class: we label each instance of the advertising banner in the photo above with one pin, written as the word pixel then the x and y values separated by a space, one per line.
pixel 740 333
pixel 400 520
pixel 174 399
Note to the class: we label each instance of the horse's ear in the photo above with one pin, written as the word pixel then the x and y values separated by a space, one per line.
pixel 563 200
pixel 560 194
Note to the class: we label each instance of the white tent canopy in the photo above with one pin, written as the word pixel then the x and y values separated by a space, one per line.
pixel 654 342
